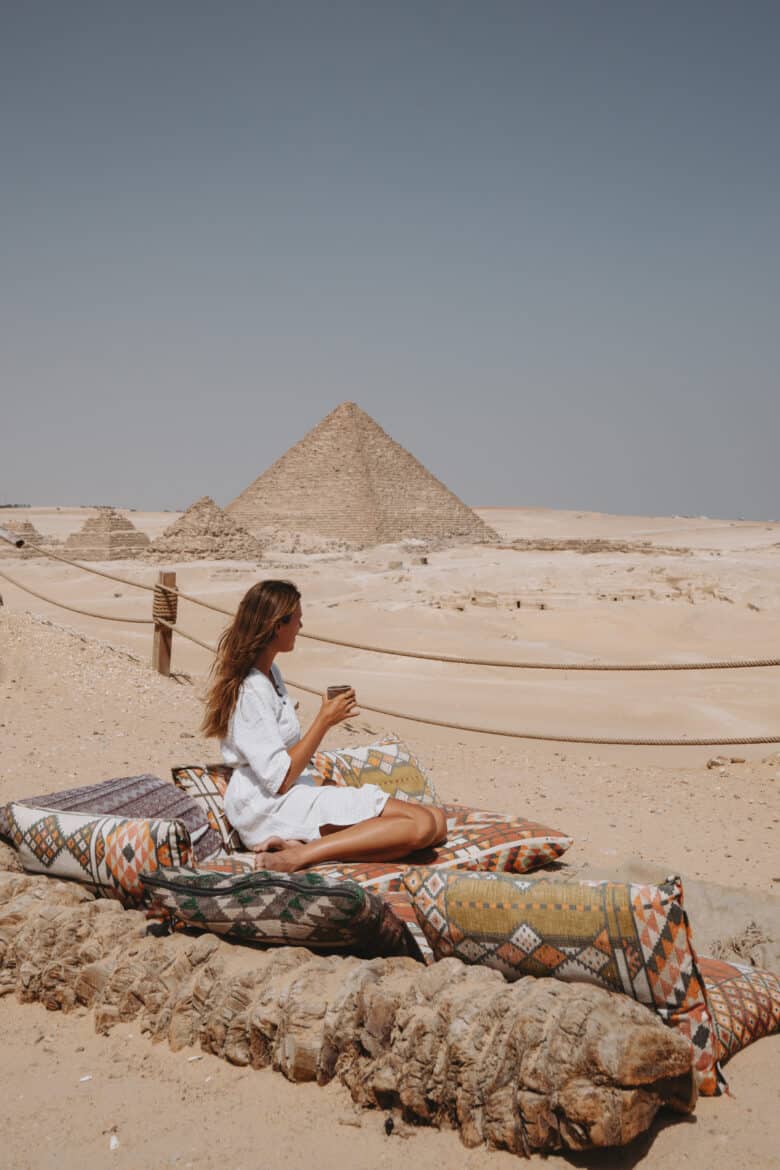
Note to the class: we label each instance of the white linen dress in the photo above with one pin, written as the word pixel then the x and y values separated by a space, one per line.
pixel 262 727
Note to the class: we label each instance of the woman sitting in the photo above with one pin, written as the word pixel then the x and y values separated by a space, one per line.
pixel 281 808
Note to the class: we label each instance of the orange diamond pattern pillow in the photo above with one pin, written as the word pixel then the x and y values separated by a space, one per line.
pixel 744 1003
pixel 107 853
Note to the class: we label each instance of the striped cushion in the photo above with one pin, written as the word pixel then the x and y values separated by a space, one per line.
pixel 144 796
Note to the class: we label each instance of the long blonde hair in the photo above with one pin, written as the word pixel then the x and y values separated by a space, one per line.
pixel 259 613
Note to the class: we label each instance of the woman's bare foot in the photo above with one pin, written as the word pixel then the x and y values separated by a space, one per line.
pixel 284 860
pixel 275 844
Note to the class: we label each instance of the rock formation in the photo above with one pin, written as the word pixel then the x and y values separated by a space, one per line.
pixel 531 1065
pixel 348 481
pixel 204 533
pixel 106 537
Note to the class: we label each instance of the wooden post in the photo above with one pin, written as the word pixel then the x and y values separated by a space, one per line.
pixel 164 605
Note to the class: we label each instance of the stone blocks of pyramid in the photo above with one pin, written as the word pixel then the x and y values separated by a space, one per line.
pixel 204 533
pixel 106 537
pixel 348 481
pixel 31 536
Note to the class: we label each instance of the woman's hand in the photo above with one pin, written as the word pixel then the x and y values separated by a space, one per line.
pixel 332 712
pixel 337 709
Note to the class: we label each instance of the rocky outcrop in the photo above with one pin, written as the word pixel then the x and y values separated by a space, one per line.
pixel 109 536
pixel 348 482
pixel 532 1065
pixel 204 533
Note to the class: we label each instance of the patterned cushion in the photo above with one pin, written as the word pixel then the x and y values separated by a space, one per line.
pixel 207 784
pixel 144 796
pixel 388 763
pixel 623 937
pixel 108 853
pixel 515 846
pixel 283 908
pixel 744 1003
pixel 460 815
pixel 230 863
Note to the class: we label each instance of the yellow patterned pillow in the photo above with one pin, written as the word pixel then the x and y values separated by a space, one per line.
pixel 389 764
pixel 624 937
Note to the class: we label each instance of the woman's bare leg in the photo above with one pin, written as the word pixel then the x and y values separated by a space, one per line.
pixel 400 829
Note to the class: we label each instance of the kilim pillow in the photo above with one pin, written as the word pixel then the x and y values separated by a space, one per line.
pixel 398 900
pixel 230 863
pixel 623 937
pixel 207 784
pixel 388 763
pixel 463 814
pixel 108 853
pixel 744 1003
pixel 514 846
pixel 145 796
pixel 278 908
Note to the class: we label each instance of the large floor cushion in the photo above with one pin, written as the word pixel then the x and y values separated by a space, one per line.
pixel 624 937
pixel 744 1003
pixel 516 846
pixel 388 763
pixel 266 907
pixel 147 797
pixel 107 853
pixel 207 784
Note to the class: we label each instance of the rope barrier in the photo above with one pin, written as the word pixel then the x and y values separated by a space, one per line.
pixel 106 617
pixel 183 633
pixel 615 742
pixel 87 568
pixel 721 664
pixel 164 607
pixel 622 666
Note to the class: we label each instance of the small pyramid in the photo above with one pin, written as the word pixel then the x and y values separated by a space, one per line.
pixel 205 533
pixel 106 537
pixel 31 536
pixel 348 481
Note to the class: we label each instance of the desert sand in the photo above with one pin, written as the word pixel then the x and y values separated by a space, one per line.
pixel 80 703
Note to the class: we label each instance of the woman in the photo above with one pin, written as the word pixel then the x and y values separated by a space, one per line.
pixel 280 807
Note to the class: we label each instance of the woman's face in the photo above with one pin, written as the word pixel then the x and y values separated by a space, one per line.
pixel 288 630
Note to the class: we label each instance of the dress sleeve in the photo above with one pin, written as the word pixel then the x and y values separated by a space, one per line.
pixel 256 735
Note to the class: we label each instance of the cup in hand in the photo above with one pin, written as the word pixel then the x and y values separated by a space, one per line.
pixel 333 691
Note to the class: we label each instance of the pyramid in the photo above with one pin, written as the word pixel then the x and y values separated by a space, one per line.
pixel 348 481
pixel 204 533
pixel 106 537
pixel 31 536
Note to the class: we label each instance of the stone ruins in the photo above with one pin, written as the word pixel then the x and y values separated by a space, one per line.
pixel 347 481
pixel 204 533
pixel 29 534
pixel 106 537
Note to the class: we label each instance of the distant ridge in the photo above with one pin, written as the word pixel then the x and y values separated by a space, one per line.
pixel 106 537
pixel 347 481
pixel 204 533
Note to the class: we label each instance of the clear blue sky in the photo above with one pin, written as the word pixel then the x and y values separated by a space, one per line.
pixel 538 242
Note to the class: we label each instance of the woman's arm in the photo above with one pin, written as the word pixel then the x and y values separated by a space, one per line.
pixel 332 712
